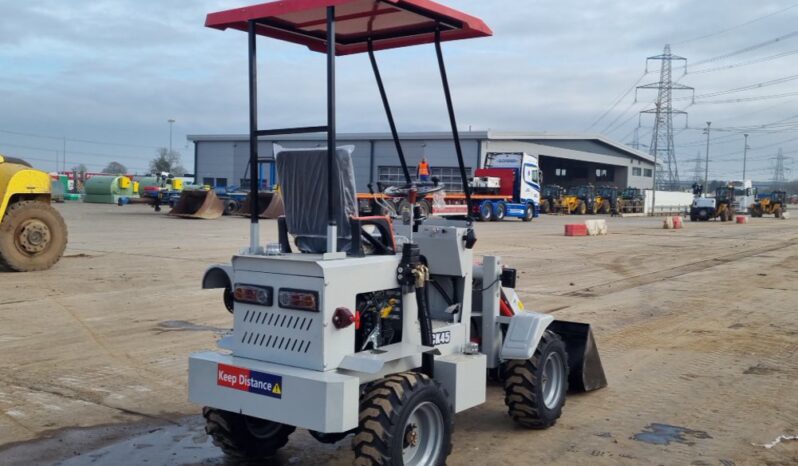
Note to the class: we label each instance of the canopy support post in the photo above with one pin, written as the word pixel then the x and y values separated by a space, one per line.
pixel 388 112
pixel 453 121
pixel 332 230
pixel 254 227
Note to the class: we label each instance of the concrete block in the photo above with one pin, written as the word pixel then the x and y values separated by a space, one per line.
pixel 677 222
pixel 742 219
pixel 596 227
pixel 575 230
pixel 667 223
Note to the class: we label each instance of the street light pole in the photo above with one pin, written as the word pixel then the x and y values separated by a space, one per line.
pixel 706 163
pixel 171 122
pixel 745 154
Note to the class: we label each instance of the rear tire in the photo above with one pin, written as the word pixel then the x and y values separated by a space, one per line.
pixel 545 207
pixel 777 212
pixel 33 236
pixel 485 212
pixel 405 419
pixel 245 437
pixel 535 388
pixel 501 211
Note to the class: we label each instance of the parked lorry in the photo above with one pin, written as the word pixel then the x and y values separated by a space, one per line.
pixel 507 186
pixel 745 195
pixel 33 234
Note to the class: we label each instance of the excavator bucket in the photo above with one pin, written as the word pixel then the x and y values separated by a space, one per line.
pixel 586 372
pixel 198 204
pixel 270 205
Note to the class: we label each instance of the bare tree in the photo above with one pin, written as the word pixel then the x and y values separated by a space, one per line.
pixel 167 161
pixel 115 168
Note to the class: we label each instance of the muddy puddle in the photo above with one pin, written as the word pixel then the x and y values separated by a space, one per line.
pixel 182 443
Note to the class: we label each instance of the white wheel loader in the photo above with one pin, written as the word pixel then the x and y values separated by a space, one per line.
pixel 353 325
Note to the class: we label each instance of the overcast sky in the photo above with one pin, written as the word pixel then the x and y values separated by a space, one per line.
pixel 116 70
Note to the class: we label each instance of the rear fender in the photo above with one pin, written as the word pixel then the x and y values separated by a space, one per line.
pixel 220 276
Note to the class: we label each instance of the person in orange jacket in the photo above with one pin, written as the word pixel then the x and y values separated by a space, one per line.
pixel 422 170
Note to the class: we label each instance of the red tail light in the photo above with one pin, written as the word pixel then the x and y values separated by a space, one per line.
pixel 343 318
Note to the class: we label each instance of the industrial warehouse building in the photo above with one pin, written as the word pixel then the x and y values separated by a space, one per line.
pixel 565 159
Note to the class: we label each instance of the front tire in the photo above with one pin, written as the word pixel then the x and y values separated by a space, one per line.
pixel 405 419
pixel 529 213
pixel 245 437
pixel 581 208
pixel 33 237
pixel 535 388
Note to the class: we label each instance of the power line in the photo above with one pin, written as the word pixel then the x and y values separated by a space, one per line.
pixel 747 49
pixel 748 87
pixel 747 99
pixel 738 26
pixel 617 101
pixel 745 63
pixel 86 141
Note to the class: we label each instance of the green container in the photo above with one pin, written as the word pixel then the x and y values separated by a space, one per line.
pixel 107 189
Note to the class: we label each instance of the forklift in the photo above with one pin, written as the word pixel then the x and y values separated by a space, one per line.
pixel 357 326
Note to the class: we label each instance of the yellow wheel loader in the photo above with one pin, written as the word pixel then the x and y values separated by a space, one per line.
pixel 773 204
pixel 33 234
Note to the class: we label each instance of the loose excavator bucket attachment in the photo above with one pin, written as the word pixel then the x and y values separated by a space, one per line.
pixel 198 204
pixel 270 205
pixel 586 372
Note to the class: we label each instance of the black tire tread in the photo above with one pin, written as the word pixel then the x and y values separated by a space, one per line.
pixel 519 387
pixel 8 262
pixel 378 413
pixel 228 432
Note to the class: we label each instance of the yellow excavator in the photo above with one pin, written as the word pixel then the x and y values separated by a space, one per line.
pixel 33 234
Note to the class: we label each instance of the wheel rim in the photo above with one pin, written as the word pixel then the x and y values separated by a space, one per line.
pixel 485 211
pixel 553 379
pixel 261 428
pixel 33 237
pixel 422 440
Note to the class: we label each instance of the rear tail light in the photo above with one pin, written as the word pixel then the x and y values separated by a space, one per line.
pixel 303 300
pixel 343 318
pixel 260 295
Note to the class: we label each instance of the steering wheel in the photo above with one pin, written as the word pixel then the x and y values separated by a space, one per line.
pixel 404 191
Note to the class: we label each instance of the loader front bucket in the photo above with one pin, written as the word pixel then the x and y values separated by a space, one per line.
pixel 198 204
pixel 270 205
pixel 586 372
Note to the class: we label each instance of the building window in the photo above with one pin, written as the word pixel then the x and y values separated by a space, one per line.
pixel 648 172
pixel 601 173
pixel 448 176
pixel 207 181
pixel 560 172
pixel 637 171
pixel 221 183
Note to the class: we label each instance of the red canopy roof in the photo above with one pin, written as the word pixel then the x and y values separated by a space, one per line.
pixel 389 23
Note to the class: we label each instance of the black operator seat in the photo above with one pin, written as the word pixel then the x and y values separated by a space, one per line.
pixel 303 180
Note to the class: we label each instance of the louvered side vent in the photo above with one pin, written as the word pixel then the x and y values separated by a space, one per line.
pixel 279 336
